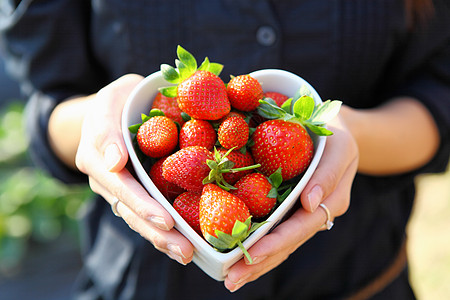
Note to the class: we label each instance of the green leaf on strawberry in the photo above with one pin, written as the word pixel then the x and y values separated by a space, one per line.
pixel 221 164
pixel 170 73
pixel 187 59
pixel 275 180
pixel 304 111
pixel 153 113
pixel 169 91
pixel 283 196
pixel 186 66
pixel 270 110
pixel 188 80
pixel 286 106
pixel 212 67
pixel 241 230
pixel 304 107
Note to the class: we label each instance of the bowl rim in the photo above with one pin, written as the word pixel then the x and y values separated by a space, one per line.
pixel 181 225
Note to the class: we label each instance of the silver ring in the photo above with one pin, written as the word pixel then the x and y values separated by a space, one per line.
pixel 328 224
pixel 114 207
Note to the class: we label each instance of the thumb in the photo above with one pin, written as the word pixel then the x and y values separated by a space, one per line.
pixel 114 157
pixel 115 154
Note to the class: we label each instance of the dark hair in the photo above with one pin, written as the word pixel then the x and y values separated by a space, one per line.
pixel 418 11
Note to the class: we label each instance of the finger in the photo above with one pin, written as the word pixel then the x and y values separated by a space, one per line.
pixel 131 193
pixel 172 243
pixel 245 273
pixel 339 152
pixel 338 201
pixel 105 117
pixel 276 247
pixel 113 147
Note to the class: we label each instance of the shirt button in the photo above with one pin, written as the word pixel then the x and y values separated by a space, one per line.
pixel 266 36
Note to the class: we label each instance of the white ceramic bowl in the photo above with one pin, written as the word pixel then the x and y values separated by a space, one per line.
pixel 212 262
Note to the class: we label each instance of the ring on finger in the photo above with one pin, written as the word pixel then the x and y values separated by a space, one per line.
pixel 328 223
pixel 114 206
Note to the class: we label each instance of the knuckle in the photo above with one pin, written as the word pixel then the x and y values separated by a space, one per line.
pixel 141 211
pixel 159 243
pixel 345 204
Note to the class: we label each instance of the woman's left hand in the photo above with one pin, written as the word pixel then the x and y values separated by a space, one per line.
pixel 330 185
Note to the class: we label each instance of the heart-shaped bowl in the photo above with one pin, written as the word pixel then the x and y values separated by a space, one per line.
pixel 212 262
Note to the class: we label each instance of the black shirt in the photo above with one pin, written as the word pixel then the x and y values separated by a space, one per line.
pixel 360 52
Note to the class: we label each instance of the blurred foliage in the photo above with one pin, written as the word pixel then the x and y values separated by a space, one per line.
pixel 33 206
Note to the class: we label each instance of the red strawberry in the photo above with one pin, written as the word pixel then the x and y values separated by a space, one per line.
pixel 284 143
pixel 240 160
pixel 254 190
pixel 244 92
pixel 157 136
pixel 187 205
pixel 233 133
pixel 277 97
pixel 203 96
pixel 279 143
pixel 200 92
pixel 232 114
pixel 187 167
pixel 169 107
pixel 168 189
pixel 225 220
pixel 219 210
pixel 198 133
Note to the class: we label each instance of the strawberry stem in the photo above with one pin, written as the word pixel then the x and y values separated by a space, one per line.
pixel 240 169
pixel 241 246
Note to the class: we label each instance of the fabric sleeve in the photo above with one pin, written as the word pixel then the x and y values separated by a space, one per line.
pixel 421 69
pixel 429 80
pixel 46 48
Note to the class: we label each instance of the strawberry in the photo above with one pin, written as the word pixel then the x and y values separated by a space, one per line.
pixel 169 107
pixel 255 190
pixel 168 189
pixel 222 166
pixel 187 205
pixel 219 210
pixel 279 98
pixel 157 136
pixel 198 133
pixel 233 132
pixel 187 167
pixel 225 220
pixel 203 96
pixel 200 92
pixel 244 92
pixel 240 160
pixel 232 114
pixel 284 142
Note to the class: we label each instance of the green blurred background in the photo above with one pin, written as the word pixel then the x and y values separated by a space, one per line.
pixel 39 238
pixel 33 207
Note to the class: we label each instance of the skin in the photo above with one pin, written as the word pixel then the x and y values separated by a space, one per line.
pixel 396 137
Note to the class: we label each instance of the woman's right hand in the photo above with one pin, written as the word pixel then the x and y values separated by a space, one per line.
pixel 102 155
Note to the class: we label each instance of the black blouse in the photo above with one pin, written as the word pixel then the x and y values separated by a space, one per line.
pixel 360 52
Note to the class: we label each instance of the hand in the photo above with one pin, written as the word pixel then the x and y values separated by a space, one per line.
pixel 330 184
pixel 102 155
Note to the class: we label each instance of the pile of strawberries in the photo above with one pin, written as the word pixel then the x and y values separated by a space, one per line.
pixel 224 153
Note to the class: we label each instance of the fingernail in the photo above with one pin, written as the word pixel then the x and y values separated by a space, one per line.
pixel 112 156
pixel 256 260
pixel 176 253
pixel 159 222
pixel 176 249
pixel 315 197
pixel 240 283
